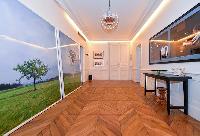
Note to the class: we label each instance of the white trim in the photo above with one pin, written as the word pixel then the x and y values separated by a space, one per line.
pixel 93 42
pixel 152 17
pixel 33 117
pixel 81 51
pixel 5 37
pixel 63 46
pixel 59 59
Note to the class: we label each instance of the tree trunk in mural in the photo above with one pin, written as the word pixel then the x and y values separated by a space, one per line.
pixel 34 83
pixel 73 70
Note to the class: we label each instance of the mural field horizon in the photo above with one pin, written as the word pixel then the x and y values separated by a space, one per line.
pixel 29 75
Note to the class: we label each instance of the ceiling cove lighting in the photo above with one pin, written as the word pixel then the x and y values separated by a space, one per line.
pixel 148 22
pixel 75 26
pixel 110 20
pixel 109 41
pixel 152 18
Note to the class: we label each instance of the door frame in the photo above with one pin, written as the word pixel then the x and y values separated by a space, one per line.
pixel 138 64
pixel 81 63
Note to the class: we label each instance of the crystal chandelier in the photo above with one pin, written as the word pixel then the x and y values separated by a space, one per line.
pixel 109 21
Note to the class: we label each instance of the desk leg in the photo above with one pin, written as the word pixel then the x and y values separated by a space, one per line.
pixel 145 84
pixel 155 86
pixel 185 89
pixel 168 97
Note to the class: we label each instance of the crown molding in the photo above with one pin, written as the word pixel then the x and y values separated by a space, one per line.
pixel 146 13
pixel 67 7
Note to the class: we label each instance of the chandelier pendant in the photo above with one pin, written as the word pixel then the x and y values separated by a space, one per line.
pixel 109 21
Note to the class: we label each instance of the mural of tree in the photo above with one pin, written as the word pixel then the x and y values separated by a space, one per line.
pixel 32 69
pixel 73 54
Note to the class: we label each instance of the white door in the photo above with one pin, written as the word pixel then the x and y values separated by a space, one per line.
pixel 124 62
pixel 114 62
pixel 119 62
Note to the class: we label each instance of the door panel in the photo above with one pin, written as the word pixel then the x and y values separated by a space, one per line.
pixel 124 72
pixel 119 62
pixel 124 55
pixel 124 62
pixel 114 62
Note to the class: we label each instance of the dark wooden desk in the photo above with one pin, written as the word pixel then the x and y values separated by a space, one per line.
pixel 168 78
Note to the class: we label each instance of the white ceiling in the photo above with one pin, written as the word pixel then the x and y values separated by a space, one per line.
pixel 132 15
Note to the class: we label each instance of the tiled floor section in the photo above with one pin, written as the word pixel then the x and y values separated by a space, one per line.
pixel 110 108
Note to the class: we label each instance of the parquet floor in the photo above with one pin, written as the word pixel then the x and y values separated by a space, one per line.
pixel 110 108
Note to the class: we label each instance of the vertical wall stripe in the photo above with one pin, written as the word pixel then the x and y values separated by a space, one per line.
pixel 59 59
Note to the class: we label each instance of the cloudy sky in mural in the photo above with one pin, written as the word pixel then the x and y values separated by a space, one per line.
pixel 20 23
pixel 15 37
pixel 23 36
pixel 65 40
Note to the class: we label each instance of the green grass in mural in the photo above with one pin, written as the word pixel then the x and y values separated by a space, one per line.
pixel 72 82
pixel 19 104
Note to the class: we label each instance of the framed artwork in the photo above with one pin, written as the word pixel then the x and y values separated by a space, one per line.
pixel 98 54
pixel 98 63
pixel 179 41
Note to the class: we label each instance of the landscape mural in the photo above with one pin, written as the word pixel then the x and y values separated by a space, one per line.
pixel 70 51
pixel 29 68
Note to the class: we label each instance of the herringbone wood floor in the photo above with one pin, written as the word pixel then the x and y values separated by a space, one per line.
pixel 110 108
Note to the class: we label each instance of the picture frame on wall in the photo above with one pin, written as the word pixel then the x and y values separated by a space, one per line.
pixel 98 63
pixel 98 54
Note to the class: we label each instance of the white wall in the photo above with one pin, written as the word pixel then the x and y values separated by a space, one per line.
pixel 172 11
pixel 102 73
pixel 50 11
pixel 99 73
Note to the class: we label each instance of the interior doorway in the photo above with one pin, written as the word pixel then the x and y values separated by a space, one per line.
pixel 138 63
pixel 119 62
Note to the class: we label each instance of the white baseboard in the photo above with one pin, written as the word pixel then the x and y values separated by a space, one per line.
pixel 193 111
